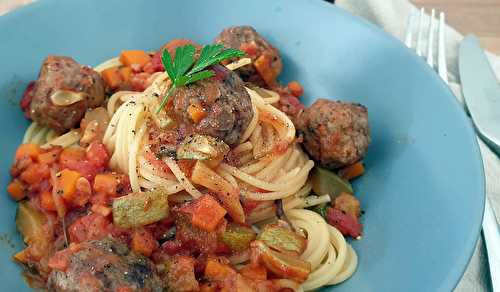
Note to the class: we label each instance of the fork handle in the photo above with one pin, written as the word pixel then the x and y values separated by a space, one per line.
pixel 491 236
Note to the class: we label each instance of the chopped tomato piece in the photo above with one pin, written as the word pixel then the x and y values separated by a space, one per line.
pixel 345 223
pixel 90 227
pixel 206 212
pixel 181 275
pixel 97 154
pixel 60 260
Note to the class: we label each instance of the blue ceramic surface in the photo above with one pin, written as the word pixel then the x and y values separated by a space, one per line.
pixel 423 191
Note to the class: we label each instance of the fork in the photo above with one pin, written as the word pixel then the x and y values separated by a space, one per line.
pixel 441 68
pixel 418 44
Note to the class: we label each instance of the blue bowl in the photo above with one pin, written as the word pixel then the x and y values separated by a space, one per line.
pixel 423 191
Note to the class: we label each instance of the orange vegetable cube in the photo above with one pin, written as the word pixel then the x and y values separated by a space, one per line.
pixel 50 156
pixel 35 173
pixel 217 270
pixel 128 58
pixel 66 184
pixel 47 202
pixel 16 190
pixel 196 112
pixel 352 171
pixel 126 73
pixel 143 242
pixel 295 88
pixel 27 150
pixel 106 183
pixel 256 272
pixel 112 77
pixel 206 212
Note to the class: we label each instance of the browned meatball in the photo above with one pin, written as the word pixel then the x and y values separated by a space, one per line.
pixel 64 73
pixel 225 101
pixel 266 61
pixel 103 265
pixel 335 133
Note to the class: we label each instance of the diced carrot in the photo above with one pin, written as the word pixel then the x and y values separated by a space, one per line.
pixel 138 57
pixel 218 271
pixel 255 272
pixel 206 212
pixel 16 190
pixel 143 242
pixel 47 202
pixel 49 156
pixel 263 65
pixel 66 184
pixel 101 209
pixel 295 88
pixel 112 77
pixel 106 183
pixel 352 171
pixel 172 45
pixel 124 289
pixel 196 112
pixel 126 73
pixel 72 154
pixel 35 173
pixel 208 287
pixel 27 150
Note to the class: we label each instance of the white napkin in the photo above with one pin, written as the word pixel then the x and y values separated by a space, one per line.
pixel 392 16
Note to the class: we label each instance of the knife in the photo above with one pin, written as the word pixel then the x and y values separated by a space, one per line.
pixel 481 93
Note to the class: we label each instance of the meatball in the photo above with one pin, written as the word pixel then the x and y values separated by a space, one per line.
pixel 102 265
pixel 335 133
pixel 223 99
pixel 266 61
pixel 63 73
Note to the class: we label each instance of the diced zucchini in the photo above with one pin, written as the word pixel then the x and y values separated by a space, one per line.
pixel 325 182
pixel 139 209
pixel 238 237
pixel 282 239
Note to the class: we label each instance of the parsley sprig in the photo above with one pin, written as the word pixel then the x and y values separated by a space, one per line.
pixel 185 70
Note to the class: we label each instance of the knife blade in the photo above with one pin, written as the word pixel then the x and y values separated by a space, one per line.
pixel 482 96
pixel 481 91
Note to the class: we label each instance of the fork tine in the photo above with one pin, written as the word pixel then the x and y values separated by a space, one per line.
pixel 420 32
pixel 409 30
pixel 442 68
pixel 430 42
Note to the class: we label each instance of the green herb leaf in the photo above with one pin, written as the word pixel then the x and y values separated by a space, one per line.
pixel 200 76
pixel 184 70
pixel 167 63
pixel 183 59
